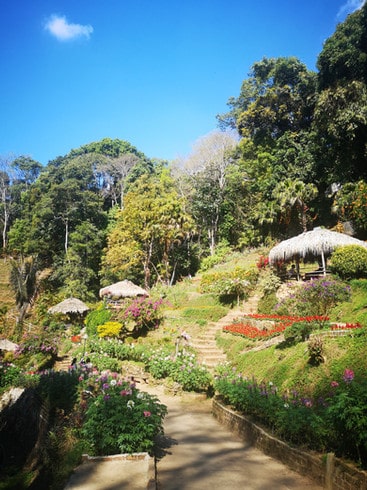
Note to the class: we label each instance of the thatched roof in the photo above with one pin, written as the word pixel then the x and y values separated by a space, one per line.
pixel 122 289
pixel 70 305
pixel 6 344
pixel 318 242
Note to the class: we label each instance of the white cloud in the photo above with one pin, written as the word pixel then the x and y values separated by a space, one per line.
pixel 349 7
pixel 59 27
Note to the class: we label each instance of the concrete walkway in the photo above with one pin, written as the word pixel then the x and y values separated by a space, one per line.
pixel 198 453
pixel 195 453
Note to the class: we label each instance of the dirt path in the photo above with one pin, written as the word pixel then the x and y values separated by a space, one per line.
pixel 198 453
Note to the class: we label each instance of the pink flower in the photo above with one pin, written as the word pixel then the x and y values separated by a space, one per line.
pixel 348 375
pixel 334 384
pixel 147 413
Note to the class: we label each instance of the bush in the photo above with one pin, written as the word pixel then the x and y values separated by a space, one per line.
pixel 299 332
pixel 59 388
pixel 235 284
pixel 97 317
pixel 316 351
pixel 316 298
pixel 140 315
pixel 130 419
pixel 109 329
pixel 182 368
pixel 349 262
pixel 221 253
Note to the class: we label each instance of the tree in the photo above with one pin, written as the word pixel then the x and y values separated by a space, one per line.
pixel 207 173
pixel 115 173
pixel 148 230
pixel 341 133
pixel 23 281
pixel 277 97
pixel 343 58
pixel 294 195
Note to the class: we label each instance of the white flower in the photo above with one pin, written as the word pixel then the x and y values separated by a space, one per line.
pixel 130 404
pixel 113 382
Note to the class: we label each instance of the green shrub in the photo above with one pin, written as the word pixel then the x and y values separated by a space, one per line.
pixel 349 262
pixel 9 374
pixel 299 332
pixel 59 388
pixel 95 318
pixel 235 284
pixel 267 303
pixel 130 419
pixel 221 253
pixel 314 298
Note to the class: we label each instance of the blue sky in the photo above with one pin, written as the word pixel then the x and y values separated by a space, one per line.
pixel 151 72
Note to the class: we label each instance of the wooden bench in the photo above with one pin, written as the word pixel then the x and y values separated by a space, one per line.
pixel 315 275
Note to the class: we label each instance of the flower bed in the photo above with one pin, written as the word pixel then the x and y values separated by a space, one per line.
pixel 248 329
pixel 346 326
pixel 333 421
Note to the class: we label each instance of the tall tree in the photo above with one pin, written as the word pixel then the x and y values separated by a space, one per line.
pixel 148 230
pixel 207 172
pixel 295 195
pixel 343 58
pixel 277 97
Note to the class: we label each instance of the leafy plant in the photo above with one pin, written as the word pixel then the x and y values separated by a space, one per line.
pixel 316 297
pixel 299 332
pixel 140 315
pixel 109 329
pixel 316 351
pixel 130 418
pixel 95 318
pixel 349 262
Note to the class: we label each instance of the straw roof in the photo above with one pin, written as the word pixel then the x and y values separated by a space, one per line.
pixel 122 289
pixel 70 305
pixel 6 344
pixel 318 242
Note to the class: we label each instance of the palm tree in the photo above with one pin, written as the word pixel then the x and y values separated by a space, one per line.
pixel 23 281
pixel 295 194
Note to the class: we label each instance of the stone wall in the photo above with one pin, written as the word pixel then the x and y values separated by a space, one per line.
pixel 328 471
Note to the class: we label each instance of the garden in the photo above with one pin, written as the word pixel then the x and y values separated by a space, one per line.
pixel 307 388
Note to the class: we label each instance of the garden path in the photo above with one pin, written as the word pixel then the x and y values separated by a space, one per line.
pixel 196 452
pixel 205 344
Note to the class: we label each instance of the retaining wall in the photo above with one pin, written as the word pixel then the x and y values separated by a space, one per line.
pixel 328 471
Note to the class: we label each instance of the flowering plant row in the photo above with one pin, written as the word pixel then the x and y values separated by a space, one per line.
pixel 333 421
pixel 252 332
pixel 347 326
pixel 281 322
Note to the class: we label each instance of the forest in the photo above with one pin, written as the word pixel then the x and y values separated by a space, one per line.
pixel 290 154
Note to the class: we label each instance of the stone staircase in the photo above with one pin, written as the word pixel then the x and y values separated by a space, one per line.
pixel 63 363
pixel 205 344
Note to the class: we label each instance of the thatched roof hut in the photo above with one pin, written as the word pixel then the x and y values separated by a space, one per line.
pixel 69 306
pixel 319 242
pixel 7 345
pixel 122 289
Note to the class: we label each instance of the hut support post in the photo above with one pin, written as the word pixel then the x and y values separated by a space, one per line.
pixel 297 268
pixel 323 263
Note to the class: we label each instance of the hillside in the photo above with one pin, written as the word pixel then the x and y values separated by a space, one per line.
pixel 7 301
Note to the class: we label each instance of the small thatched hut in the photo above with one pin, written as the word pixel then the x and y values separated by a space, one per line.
pixel 122 289
pixel 319 242
pixel 70 306
pixel 7 345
